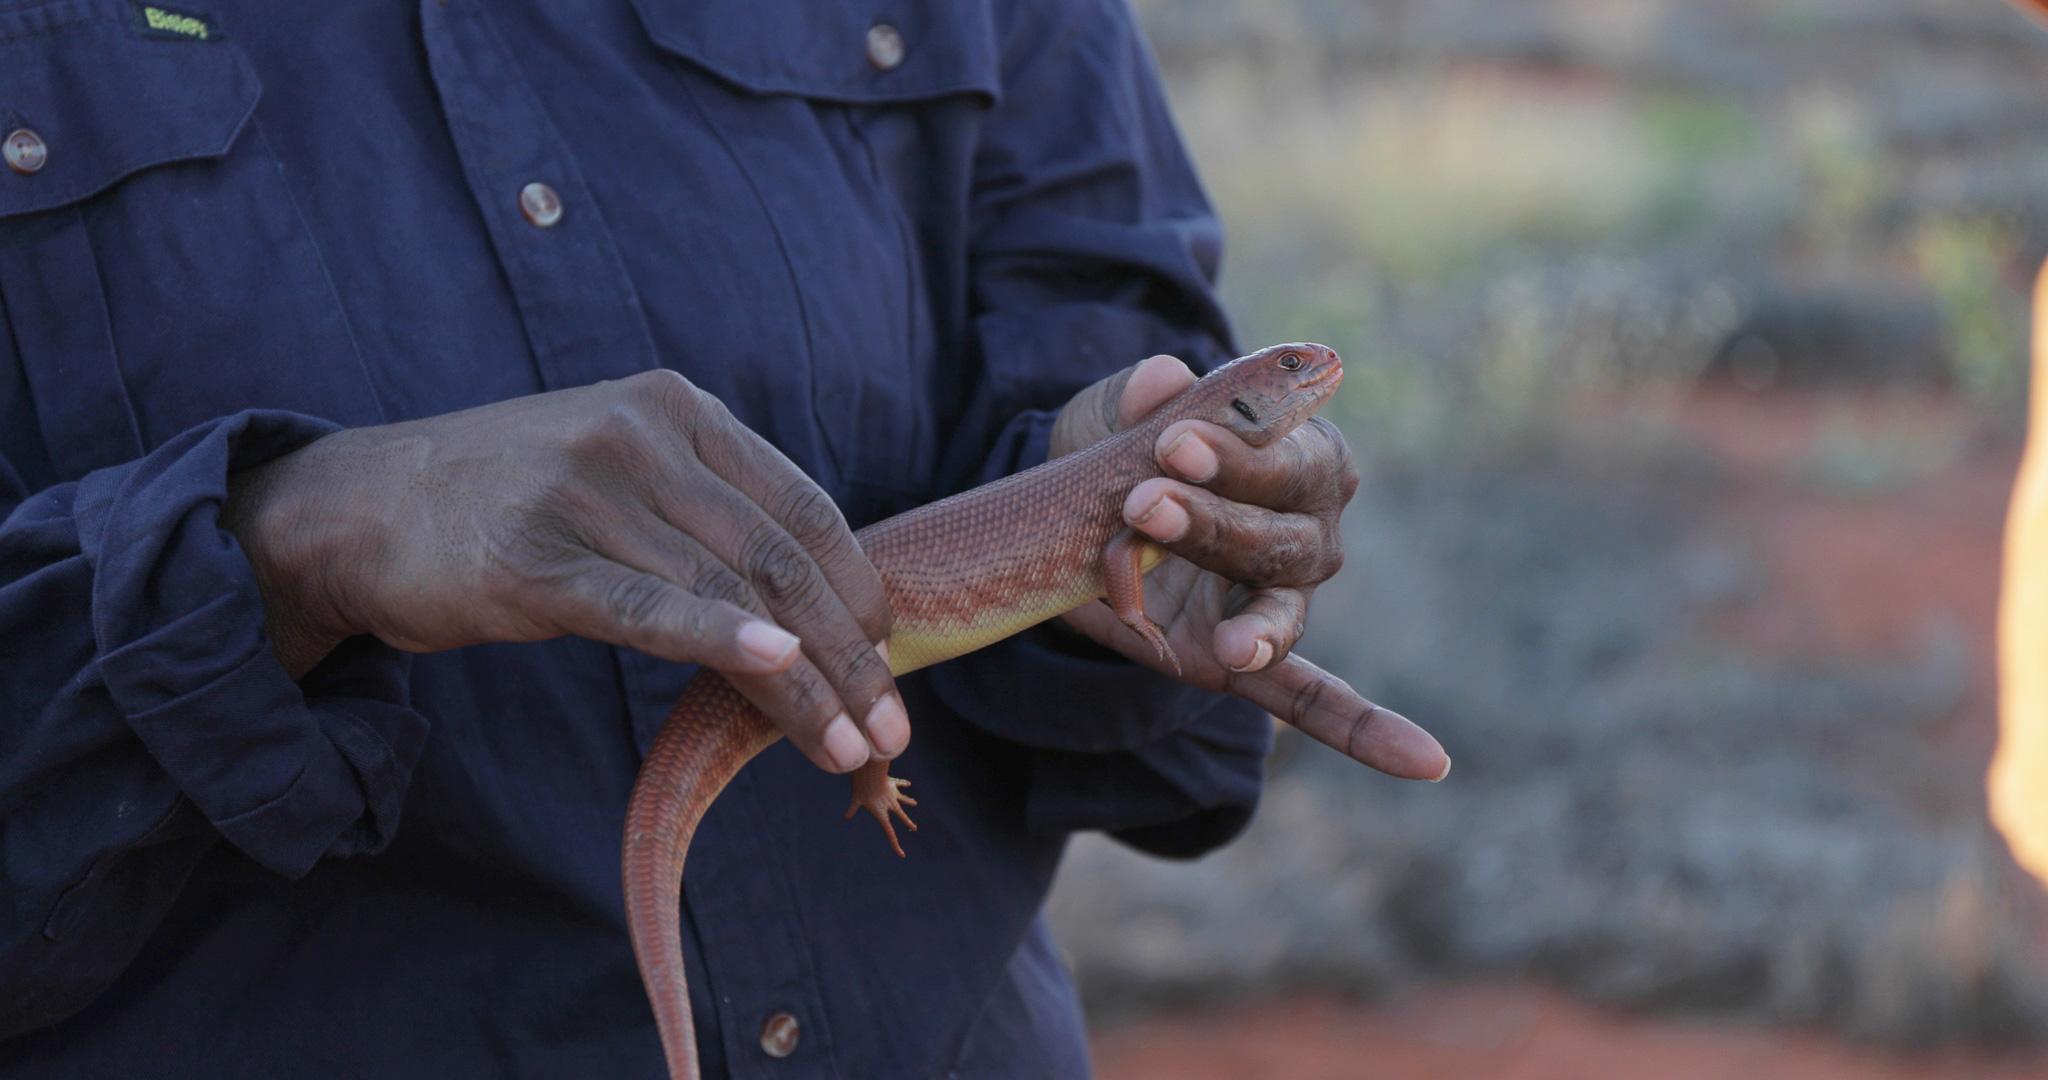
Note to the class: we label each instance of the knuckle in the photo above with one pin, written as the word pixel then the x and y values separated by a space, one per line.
pixel 621 424
pixel 662 389
pixel 807 696
pixel 1109 396
pixel 698 623
pixel 634 602
pixel 614 443
pixel 1343 464
pixel 715 436
pixel 1277 560
pixel 721 584
pixel 1354 740
pixel 879 621
pixel 1291 615
pixel 856 663
pixel 1347 482
pixel 1237 540
pixel 779 569
pixel 1079 422
pixel 809 515
pixel 664 397
pixel 1306 698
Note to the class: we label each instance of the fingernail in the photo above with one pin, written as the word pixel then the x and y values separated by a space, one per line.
pixel 1191 457
pixel 1165 520
pixel 1262 654
pixel 889 726
pixel 1439 778
pixel 844 744
pixel 767 643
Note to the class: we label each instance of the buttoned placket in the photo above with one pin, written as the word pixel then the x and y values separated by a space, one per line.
pixel 584 322
pixel 581 311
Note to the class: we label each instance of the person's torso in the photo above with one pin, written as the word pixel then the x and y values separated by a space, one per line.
pixel 322 211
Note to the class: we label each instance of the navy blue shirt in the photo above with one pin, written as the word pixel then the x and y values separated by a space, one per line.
pixel 893 255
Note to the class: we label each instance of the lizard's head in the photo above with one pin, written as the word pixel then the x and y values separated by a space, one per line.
pixel 1269 393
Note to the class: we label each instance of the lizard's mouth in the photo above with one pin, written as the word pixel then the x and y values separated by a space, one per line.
pixel 1331 372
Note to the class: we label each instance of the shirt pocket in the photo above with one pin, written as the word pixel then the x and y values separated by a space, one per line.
pixel 155 271
pixel 846 123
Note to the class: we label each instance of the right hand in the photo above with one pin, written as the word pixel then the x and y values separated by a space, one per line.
pixel 637 512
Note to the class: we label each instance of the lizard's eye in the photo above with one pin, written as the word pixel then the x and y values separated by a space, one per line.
pixel 1290 361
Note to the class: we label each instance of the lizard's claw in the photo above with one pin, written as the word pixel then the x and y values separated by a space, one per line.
pixel 1155 635
pixel 880 794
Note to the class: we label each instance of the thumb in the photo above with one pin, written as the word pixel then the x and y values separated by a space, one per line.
pixel 1109 405
pixel 1152 382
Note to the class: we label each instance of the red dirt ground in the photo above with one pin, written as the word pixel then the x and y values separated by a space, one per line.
pixel 1864 575
pixel 1867 574
pixel 1505 1033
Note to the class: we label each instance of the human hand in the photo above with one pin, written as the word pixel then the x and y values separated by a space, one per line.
pixel 1250 533
pixel 636 512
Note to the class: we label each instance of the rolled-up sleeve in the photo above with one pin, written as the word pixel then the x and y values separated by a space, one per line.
pixel 1092 247
pixel 146 717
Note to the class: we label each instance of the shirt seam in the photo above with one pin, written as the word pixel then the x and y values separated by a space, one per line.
pixel 825 439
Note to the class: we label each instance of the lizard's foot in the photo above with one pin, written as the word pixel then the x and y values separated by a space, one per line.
pixel 1124 560
pixel 880 794
pixel 1155 635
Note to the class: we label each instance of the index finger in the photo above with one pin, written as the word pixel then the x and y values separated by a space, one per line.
pixel 753 466
pixel 1329 711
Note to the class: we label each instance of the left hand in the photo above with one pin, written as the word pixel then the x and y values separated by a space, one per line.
pixel 1250 533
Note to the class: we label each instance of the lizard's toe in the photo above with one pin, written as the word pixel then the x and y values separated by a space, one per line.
pixel 882 795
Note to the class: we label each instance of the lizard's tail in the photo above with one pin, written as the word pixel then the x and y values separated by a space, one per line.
pixel 710 733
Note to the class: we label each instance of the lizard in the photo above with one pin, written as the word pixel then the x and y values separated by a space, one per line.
pixel 962 573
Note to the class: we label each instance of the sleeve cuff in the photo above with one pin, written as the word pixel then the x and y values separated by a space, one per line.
pixel 288 772
pixel 1179 797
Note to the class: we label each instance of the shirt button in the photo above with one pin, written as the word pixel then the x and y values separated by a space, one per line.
pixel 779 1035
pixel 25 151
pixel 885 47
pixel 540 204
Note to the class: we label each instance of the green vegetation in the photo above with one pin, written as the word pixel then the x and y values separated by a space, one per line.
pixel 1970 266
pixel 1491 242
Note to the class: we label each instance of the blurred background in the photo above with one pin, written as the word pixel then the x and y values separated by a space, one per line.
pixel 1687 360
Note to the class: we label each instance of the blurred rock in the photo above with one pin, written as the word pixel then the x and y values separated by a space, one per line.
pixel 1842 331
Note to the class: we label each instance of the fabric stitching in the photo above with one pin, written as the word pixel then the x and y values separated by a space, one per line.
pixel 832 450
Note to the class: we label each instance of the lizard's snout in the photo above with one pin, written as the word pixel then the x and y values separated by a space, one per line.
pixel 1324 364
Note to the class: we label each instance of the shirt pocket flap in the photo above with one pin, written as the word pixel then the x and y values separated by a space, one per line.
pixel 107 96
pixel 907 50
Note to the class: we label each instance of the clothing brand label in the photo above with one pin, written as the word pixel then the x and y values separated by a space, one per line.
pixel 162 22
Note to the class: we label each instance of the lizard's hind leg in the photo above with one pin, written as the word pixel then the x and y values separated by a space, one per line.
pixel 880 794
pixel 1124 563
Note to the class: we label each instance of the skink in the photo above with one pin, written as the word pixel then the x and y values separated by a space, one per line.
pixel 960 574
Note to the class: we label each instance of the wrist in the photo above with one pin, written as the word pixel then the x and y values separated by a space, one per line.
pixel 279 513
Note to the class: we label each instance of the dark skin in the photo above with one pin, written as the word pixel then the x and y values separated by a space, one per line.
pixel 1253 530
pixel 1250 533
pixel 640 513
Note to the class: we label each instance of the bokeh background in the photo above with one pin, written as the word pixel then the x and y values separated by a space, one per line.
pixel 1686 347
